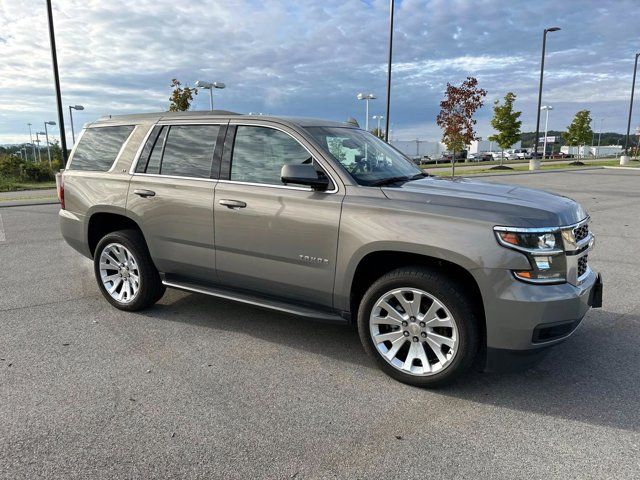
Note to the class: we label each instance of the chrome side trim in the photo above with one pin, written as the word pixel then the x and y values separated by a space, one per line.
pixel 280 307
pixel 213 180
pixel 500 228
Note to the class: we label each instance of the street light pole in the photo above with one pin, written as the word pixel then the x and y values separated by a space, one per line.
pixel 633 86
pixel 56 79
pixel 210 86
pixel 33 146
pixel 74 107
pixel 38 142
pixel 366 97
pixel 46 133
pixel 537 139
pixel 546 124
pixel 599 135
pixel 388 114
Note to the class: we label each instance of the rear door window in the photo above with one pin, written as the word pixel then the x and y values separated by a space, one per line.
pixel 179 150
pixel 188 150
pixel 99 147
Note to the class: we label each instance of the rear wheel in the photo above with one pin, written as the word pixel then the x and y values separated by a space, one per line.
pixel 126 275
pixel 418 326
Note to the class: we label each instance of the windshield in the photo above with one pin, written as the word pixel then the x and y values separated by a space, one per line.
pixel 369 160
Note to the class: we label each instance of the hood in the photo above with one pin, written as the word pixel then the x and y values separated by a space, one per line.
pixel 510 205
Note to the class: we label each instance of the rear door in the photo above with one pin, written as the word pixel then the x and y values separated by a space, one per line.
pixel 171 197
pixel 279 240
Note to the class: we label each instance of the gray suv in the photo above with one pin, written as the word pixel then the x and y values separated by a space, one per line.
pixel 321 219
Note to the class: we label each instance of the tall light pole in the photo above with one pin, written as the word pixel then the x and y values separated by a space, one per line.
pixel 56 80
pixel 33 146
pixel 378 117
pixel 38 142
pixel 633 86
pixel 210 86
pixel 366 97
pixel 46 134
pixel 73 133
pixel 546 124
pixel 599 135
pixel 532 165
pixel 386 129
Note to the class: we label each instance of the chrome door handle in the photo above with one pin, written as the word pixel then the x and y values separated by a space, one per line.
pixel 145 193
pixel 233 204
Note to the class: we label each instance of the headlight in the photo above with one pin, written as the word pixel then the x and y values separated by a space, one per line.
pixel 543 248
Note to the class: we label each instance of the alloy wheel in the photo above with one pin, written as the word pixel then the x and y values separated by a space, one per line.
pixel 119 272
pixel 414 331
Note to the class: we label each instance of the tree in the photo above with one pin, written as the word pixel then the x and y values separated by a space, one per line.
pixel 456 115
pixel 505 121
pixel 579 132
pixel 378 133
pixel 181 97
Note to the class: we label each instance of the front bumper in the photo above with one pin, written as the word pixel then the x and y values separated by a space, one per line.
pixel 522 319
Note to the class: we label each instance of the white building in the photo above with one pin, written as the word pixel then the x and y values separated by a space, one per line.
pixel 589 151
pixel 420 148
pixel 483 146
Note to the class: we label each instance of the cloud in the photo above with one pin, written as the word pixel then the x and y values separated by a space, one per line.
pixel 311 58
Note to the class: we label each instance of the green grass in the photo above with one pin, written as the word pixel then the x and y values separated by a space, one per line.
pixel 12 185
pixel 524 168
pixel 506 162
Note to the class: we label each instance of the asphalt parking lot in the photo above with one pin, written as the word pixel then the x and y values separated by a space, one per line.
pixel 198 387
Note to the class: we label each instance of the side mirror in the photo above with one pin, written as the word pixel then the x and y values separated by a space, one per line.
pixel 304 174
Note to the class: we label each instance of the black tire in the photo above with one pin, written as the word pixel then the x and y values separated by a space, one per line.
pixel 445 290
pixel 150 289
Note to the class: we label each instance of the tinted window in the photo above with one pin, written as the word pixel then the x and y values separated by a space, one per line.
pixel 259 154
pixel 188 151
pixel 99 147
pixel 153 166
pixel 141 166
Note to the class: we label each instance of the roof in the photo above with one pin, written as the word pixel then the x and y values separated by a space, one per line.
pixel 208 114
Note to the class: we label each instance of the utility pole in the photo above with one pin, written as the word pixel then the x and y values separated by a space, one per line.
pixel 56 80
pixel 386 129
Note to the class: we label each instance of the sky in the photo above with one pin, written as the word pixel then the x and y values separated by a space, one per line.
pixel 311 58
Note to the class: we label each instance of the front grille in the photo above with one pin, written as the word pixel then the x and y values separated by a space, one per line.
pixel 582 265
pixel 581 232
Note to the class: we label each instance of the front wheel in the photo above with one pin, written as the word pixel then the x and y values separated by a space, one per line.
pixel 126 275
pixel 418 326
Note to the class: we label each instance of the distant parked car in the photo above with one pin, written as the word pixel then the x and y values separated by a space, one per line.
pixel 479 157
pixel 559 155
pixel 498 155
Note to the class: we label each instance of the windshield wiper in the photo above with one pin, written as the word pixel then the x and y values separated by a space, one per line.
pixel 388 181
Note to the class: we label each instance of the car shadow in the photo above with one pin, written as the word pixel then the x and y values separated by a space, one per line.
pixel 593 377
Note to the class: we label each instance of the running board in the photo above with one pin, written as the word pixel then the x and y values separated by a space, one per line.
pixel 280 306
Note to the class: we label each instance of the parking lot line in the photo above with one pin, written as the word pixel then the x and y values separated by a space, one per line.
pixel 2 235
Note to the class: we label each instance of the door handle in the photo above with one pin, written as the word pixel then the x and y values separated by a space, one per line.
pixel 145 193
pixel 233 204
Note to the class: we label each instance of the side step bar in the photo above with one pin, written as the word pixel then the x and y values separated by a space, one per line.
pixel 280 306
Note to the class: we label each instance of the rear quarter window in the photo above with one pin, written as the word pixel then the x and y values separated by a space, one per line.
pixel 99 147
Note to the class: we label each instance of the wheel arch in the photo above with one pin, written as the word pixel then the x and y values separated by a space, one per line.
pixel 374 264
pixel 101 223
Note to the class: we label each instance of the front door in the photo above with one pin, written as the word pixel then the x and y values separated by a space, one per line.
pixel 272 238
pixel 171 197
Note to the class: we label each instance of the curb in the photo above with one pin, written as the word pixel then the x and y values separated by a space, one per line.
pixel 528 172
pixel 28 203
pixel 636 169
